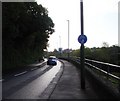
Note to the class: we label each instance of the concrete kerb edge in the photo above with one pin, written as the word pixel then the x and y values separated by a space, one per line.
pixel 51 87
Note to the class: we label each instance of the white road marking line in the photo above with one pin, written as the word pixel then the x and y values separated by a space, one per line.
pixel 34 68
pixel 20 73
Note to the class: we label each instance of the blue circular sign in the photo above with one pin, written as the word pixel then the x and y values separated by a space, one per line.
pixel 82 39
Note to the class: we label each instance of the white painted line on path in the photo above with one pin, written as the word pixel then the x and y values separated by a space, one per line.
pixel 20 73
pixel 34 68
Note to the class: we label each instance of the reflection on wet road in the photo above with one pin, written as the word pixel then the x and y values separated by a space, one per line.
pixel 34 89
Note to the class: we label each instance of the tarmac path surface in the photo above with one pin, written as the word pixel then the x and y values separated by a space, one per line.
pixel 68 87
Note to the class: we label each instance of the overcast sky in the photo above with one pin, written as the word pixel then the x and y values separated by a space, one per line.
pixel 100 22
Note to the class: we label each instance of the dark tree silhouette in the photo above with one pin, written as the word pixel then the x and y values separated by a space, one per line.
pixel 25 32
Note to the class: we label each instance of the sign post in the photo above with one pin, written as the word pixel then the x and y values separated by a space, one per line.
pixel 82 39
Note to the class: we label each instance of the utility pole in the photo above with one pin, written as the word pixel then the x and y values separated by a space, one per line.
pixel 68 40
pixel 60 41
pixel 60 49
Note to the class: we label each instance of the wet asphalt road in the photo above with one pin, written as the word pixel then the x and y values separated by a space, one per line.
pixel 29 85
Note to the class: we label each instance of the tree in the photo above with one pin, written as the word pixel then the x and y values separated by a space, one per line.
pixel 105 44
pixel 26 29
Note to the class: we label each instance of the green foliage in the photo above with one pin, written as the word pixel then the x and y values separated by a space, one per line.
pixel 26 29
pixel 105 54
pixel 75 53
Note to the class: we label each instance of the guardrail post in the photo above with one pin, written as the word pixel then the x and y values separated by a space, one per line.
pixel 99 73
pixel 119 87
pixel 108 71
pixel 92 64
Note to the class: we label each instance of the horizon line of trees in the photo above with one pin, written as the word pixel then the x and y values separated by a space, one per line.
pixel 106 53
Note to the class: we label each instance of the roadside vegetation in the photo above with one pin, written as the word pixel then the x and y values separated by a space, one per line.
pixel 106 53
pixel 26 28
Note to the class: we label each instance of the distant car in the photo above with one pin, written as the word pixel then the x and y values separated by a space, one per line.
pixel 52 60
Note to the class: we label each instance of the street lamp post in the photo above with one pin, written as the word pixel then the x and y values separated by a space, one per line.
pixel 60 49
pixel 68 39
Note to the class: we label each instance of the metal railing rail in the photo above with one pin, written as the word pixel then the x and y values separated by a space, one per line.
pixel 116 66
pixel 105 73
pixel 101 70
